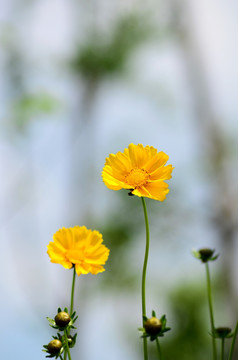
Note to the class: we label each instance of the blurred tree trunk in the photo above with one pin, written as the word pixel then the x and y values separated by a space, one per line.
pixel 215 148
pixel 82 154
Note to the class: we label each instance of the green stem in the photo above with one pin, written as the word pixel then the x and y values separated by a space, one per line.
pixel 233 342
pixel 158 349
pixel 222 348
pixel 71 309
pixel 67 344
pixel 72 293
pixel 144 275
pixel 209 293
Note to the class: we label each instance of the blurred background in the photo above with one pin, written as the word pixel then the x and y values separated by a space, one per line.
pixel 80 80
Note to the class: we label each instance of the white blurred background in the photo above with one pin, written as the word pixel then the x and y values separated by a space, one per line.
pixel 80 80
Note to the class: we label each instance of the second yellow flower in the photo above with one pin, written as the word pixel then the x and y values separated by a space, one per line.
pixel 79 247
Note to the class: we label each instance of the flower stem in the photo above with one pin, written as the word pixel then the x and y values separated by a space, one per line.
pixel 67 344
pixel 144 275
pixel 71 312
pixel 72 293
pixel 233 342
pixel 209 293
pixel 222 348
pixel 158 349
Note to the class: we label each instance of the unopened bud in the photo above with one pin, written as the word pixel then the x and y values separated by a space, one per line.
pixel 222 332
pixel 54 346
pixel 70 340
pixel 153 326
pixel 62 319
pixel 206 254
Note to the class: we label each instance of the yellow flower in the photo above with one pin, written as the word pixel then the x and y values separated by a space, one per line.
pixel 139 169
pixel 78 246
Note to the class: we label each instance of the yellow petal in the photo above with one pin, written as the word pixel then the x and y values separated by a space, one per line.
pixel 141 191
pixel 119 162
pixel 79 233
pixel 98 256
pixel 65 263
pixel 82 268
pixel 111 181
pixel 97 269
pixel 95 238
pixel 157 190
pixel 64 237
pixel 158 160
pixel 163 173
pixel 138 155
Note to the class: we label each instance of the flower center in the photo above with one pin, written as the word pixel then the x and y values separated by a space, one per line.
pixel 136 177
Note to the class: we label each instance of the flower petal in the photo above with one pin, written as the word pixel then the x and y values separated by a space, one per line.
pixel 163 173
pixel 158 160
pixel 82 268
pixel 64 238
pixel 138 155
pixel 157 190
pixel 98 256
pixel 111 180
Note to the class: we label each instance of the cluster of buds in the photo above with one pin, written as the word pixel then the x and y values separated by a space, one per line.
pixel 154 327
pixel 62 322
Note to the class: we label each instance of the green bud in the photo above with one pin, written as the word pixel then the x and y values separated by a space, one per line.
pixel 222 332
pixel 70 340
pixel 206 254
pixel 62 319
pixel 54 346
pixel 153 326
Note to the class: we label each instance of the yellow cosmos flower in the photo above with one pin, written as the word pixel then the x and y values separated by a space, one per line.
pixel 139 169
pixel 80 247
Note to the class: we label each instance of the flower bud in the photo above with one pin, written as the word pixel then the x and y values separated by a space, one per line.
pixel 153 326
pixel 70 340
pixel 62 319
pixel 206 254
pixel 222 332
pixel 54 346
